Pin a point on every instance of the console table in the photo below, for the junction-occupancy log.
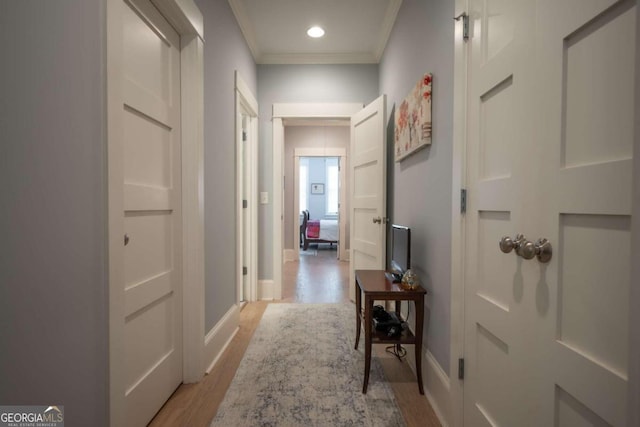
(375, 285)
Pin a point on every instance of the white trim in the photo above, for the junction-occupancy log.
(192, 84)
(457, 219)
(318, 58)
(246, 103)
(316, 110)
(437, 388)
(219, 337)
(265, 290)
(185, 16)
(387, 25)
(278, 205)
(302, 111)
(239, 11)
(436, 385)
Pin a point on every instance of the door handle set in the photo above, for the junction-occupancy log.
(526, 249)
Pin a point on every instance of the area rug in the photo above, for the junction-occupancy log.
(301, 370)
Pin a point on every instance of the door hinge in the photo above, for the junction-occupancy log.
(245, 204)
(463, 200)
(244, 135)
(244, 271)
(461, 369)
(465, 25)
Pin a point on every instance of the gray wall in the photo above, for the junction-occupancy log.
(308, 137)
(317, 175)
(300, 83)
(634, 320)
(420, 187)
(224, 51)
(53, 280)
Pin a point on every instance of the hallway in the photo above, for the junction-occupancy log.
(318, 277)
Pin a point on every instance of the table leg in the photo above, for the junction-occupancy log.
(358, 313)
(419, 323)
(368, 308)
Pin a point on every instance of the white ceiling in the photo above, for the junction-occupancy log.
(356, 30)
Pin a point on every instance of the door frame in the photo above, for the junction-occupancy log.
(459, 145)
(245, 102)
(282, 111)
(341, 153)
(187, 20)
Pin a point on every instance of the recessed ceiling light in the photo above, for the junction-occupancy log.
(315, 32)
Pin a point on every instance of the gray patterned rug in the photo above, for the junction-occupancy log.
(301, 370)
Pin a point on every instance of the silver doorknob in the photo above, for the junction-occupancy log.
(377, 220)
(540, 249)
(544, 252)
(507, 244)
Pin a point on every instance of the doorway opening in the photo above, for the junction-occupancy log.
(314, 214)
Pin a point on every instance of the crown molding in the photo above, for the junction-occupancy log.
(317, 58)
(239, 11)
(387, 26)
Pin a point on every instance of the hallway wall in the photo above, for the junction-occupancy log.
(420, 187)
(300, 83)
(225, 51)
(53, 271)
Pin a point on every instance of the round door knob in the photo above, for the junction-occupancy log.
(544, 252)
(507, 244)
(527, 250)
(377, 220)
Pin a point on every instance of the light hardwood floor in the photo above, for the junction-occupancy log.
(317, 278)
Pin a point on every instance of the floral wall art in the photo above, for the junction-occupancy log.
(413, 120)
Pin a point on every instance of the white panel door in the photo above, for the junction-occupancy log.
(152, 217)
(551, 114)
(499, 141)
(586, 60)
(368, 189)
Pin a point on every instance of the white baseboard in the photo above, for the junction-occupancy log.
(265, 290)
(290, 255)
(436, 385)
(345, 255)
(218, 338)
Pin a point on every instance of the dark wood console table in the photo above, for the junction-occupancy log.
(375, 285)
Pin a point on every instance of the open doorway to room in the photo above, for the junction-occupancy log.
(315, 224)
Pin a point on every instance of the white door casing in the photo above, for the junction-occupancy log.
(368, 170)
(134, 112)
(246, 113)
(550, 131)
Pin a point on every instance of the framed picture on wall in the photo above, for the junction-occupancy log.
(413, 120)
(317, 188)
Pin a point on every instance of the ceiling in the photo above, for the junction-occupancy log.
(356, 30)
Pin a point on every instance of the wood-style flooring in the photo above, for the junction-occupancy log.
(317, 278)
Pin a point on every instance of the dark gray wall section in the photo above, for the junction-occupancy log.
(421, 185)
(634, 320)
(53, 280)
(300, 83)
(224, 52)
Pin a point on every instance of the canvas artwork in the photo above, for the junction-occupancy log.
(413, 120)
